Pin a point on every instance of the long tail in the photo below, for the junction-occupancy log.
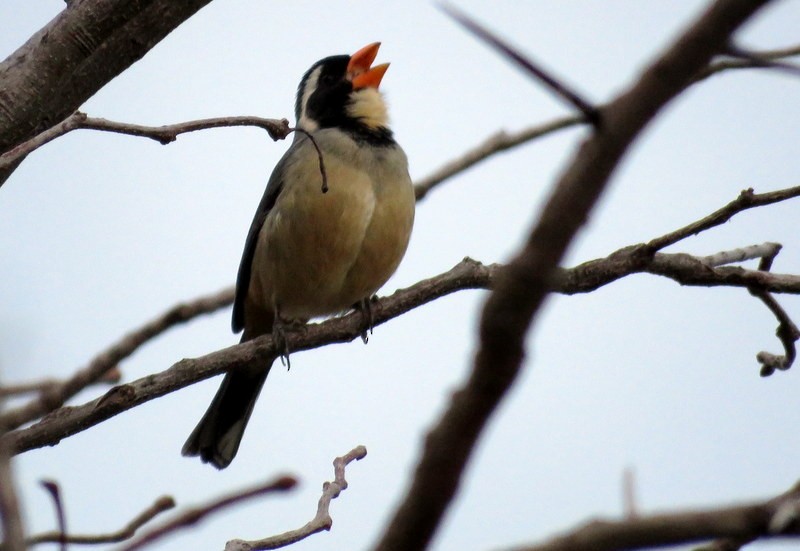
(217, 436)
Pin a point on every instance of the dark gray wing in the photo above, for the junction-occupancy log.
(274, 187)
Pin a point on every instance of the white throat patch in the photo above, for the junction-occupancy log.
(305, 122)
(368, 106)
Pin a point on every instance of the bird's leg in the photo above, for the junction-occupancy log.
(365, 307)
(279, 338)
(279, 328)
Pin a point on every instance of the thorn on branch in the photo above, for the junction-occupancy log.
(590, 112)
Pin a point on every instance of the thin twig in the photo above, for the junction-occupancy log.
(45, 386)
(322, 170)
(193, 515)
(55, 493)
(723, 65)
(321, 521)
(762, 251)
(786, 332)
(277, 129)
(495, 143)
(590, 113)
(759, 60)
(53, 397)
(747, 199)
(164, 503)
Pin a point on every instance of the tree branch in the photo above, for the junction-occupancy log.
(747, 199)
(83, 48)
(55, 396)
(164, 503)
(321, 521)
(193, 515)
(495, 143)
(468, 274)
(277, 129)
(522, 286)
(766, 519)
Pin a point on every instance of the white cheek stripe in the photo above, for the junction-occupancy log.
(304, 122)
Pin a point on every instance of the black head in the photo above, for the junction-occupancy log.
(342, 92)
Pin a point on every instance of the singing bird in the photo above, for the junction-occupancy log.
(311, 253)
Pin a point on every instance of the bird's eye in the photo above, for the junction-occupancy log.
(328, 79)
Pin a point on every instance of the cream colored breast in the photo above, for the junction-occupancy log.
(318, 253)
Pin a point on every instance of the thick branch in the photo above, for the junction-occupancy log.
(72, 57)
(522, 287)
(766, 519)
(67, 421)
(469, 274)
(321, 521)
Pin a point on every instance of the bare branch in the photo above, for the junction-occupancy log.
(759, 60)
(731, 64)
(787, 332)
(762, 251)
(523, 285)
(55, 493)
(589, 111)
(496, 143)
(164, 503)
(747, 199)
(55, 72)
(277, 129)
(10, 515)
(70, 420)
(321, 521)
(740, 523)
(54, 396)
(194, 515)
(469, 274)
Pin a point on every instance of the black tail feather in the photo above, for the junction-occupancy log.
(218, 434)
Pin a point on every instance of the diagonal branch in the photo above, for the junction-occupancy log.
(469, 274)
(501, 141)
(55, 395)
(321, 521)
(522, 286)
(763, 519)
(560, 89)
(164, 503)
(193, 515)
(747, 199)
(82, 49)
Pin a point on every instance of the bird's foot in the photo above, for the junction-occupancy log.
(365, 307)
(279, 328)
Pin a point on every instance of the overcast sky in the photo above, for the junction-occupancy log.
(99, 233)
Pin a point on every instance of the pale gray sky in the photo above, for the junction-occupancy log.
(99, 233)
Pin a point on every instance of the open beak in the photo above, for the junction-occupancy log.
(359, 69)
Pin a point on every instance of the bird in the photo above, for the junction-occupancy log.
(316, 247)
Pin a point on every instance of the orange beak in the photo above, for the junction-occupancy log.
(359, 69)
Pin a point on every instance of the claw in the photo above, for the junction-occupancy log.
(365, 307)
